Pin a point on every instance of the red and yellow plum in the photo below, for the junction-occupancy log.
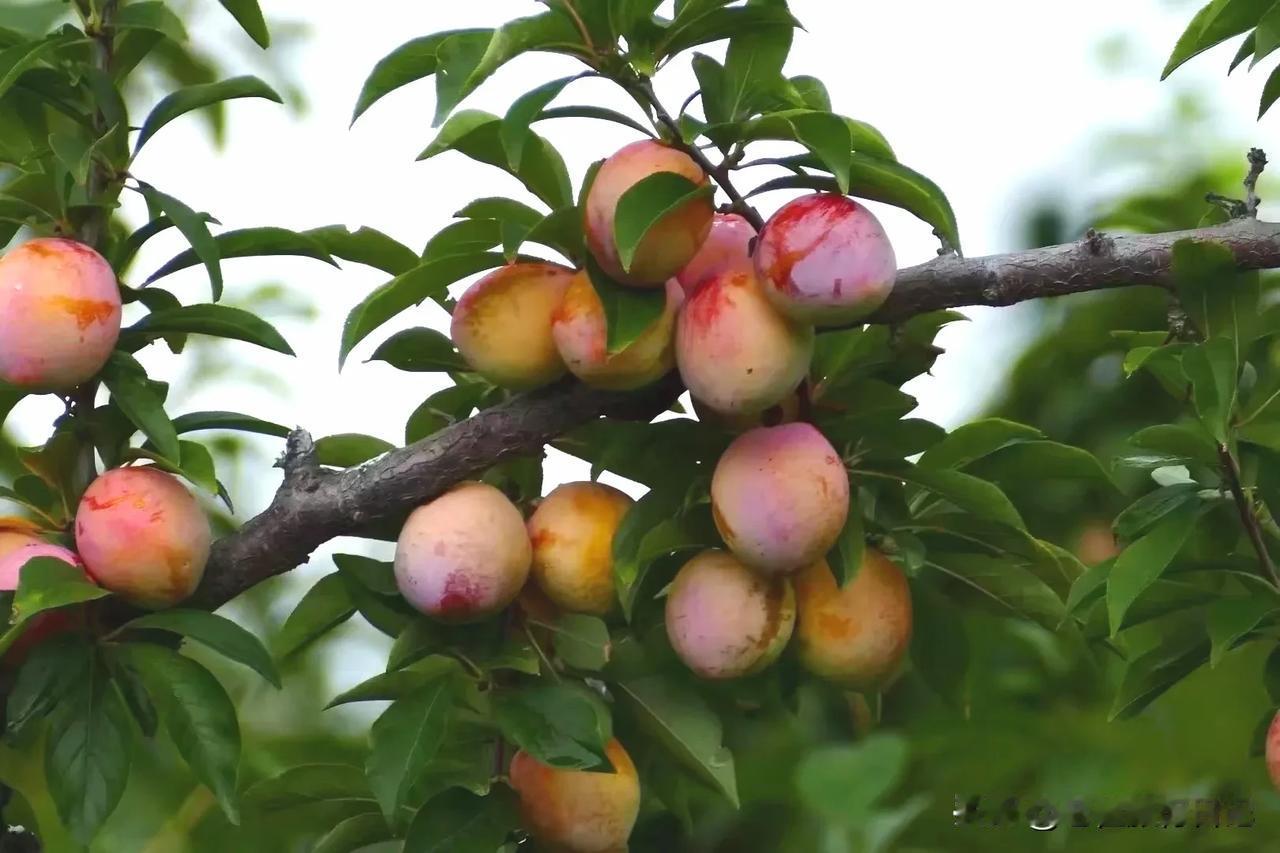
(825, 259)
(502, 324)
(59, 314)
(463, 556)
(672, 241)
(580, 334)
(856, 636)
(736, 354)
(780, 497)
(578, 811)
(727, 247)
(726, 621)
(572, 535)
(143, 536)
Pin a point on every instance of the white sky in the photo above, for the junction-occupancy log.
(993, 99)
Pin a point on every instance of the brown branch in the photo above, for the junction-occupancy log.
(315, 505)
(1248, 515)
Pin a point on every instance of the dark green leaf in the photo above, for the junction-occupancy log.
(348, 450)
(399, 683)
(1230, 619)
(193, 227)
(939, 645)
(521, 115)
(1140, 564)
(197, 421)
(46, 680)
(1177, 439)
(404, 740)
(628, 311)
(844, 783)
(47, 583)
(582, 642)
(17, 59)
(308, 784)
(442, 409)
(151, 15)
(217, 632)
(646, 204)
(753, 65)
(355, 833)
(1006, 582)
(420, 350)
(1049, 459)
(1270, 676)
(1212, 25)
(366, 246)
(718, 24)
(845, 558)
(982, 498)
(324, 607)
(249, 16)
(1147, 677)
(221, 321)
(199, 716)
(1147, 511)
(202, 95)
(375, 575)
(600, 113)
(560, 725)
(252, 243)
(413, 60)
(142, 405)
(458, 821)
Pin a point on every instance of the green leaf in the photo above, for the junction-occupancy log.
(1212, 25)
(249, 16)
(153, 15)
(753, 66)
(521, 115)
(646, 204)
(654, 508)
(1221, 301)
(399, 683)
(47, 583)
(966, 492)
(87, 753)
(1007, 583)
(404, 740)
(52, 672)
(843, 783)
(939, 644)
(628, 311)
(252, 243)
(193, 227)
(561, 725)
(220, 321)
(1231, 619)
(404, 291)
(458, 821)
(1144, 513)
(355, 833)
(1049, 459)
(197, 421)
(308, 784)
(420, 350)
(845, 558)
(1145, 560)
(17, 59)
(199, 716)
(201, 95)
(375, 575)
(686, 728)
(1183, 440)
(467, 237)
(828, 137)
(142, 405)
(366, 246)
(599, 113)
(582, 642)
(217, 632)
(1270, 677)
(1147, 677)
(1270, 92)
(1211, 369)
(350, 449)
(442, 409)
(717, 24)
(477, 134)
(413, 60)
(324, 607)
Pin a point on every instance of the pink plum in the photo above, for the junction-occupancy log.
(736, 354)
(724, 620)
(672, 241)
(727, 247)
(463, 556)
(59, 314)
(825, 259)
(143, 536)
(780, 497)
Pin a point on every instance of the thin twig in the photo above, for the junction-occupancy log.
(1257, 163)
(1231, 471)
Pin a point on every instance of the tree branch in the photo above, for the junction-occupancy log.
(315, 505)
(1248, 514)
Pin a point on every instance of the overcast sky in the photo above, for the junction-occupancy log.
(993, 99)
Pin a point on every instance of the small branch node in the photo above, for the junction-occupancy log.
(300, 463)
(1097, 242)
(1257, 163)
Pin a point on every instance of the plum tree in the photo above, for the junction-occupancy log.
(725, 621)
(578, 811)
(581, 336)
(572, 534)
(673, 241)
(502, 324)
(143, 536)
(736, 354)
(825, 259)
(857, 635)
(59, 314)
(464, 555)
(780, 497)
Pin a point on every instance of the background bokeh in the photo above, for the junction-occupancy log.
(1037, 119)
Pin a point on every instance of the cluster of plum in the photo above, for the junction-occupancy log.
(738, 324)
(138, 532)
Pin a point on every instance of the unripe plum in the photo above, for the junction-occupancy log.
(727, 247)
(502, 324)
(572, 535)
(59, 314)
(463, 556)
(825, 259)
(1273, 751)
(856, 636)
(580, 333)
(724, 620)
(143, 536)
(736, 354)
(578, 811)
(43, 625)
(780, 497)
(672, 241)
